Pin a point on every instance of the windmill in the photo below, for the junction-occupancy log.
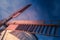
(34, 27)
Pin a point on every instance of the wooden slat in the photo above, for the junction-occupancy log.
(46, 30)
(36, 27)
(29, 28)
(39, 29)
(55, 29)
(50, 30)
(43, 29)
(32, 28)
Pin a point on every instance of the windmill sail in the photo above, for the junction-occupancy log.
(3, 22)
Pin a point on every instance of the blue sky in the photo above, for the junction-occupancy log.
(40, 9)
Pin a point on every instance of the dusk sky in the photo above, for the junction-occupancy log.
(40, 10)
